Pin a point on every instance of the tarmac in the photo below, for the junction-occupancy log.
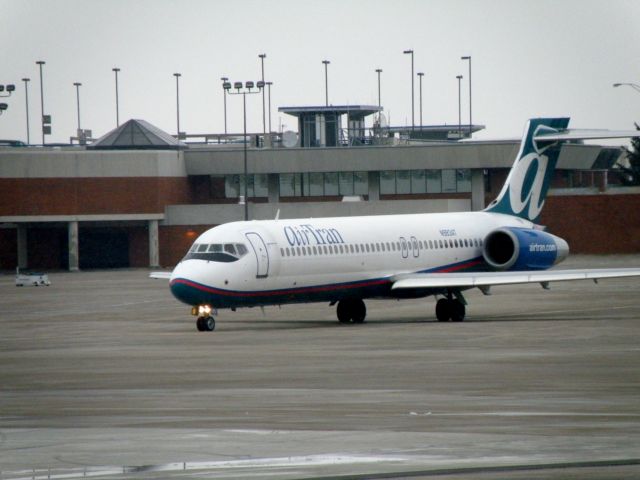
(103, 375)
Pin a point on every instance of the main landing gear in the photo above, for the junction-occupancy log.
(351, 310)
(450, 309)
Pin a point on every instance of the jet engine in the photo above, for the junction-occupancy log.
(513, 248)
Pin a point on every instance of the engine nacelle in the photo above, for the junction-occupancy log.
(513, 248)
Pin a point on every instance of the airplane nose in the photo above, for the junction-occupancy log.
(183, 288)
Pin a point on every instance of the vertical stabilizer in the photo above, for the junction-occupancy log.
(525, 190)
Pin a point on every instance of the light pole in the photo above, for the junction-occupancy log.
(459, 77)
(413, 122)
(40, 63)
(248, 90)
(224, 96)
(468, 57)
(635, 86)
(420, 75)
(178, 75)
(326, 82)
(268, 84)
(78, 85)
(379, 71)
(116, 70)
(26, 101)
(264, 123)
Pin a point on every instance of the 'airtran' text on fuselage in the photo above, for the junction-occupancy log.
(309, 235)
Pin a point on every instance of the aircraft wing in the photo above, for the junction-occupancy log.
(160, 275)
(487, 279)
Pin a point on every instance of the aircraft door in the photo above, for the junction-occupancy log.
(262, 255)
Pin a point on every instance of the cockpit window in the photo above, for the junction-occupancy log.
(217, 252)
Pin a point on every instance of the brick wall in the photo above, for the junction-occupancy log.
(77, 196)
(595, 223)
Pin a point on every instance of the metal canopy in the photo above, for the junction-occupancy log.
(354, 111)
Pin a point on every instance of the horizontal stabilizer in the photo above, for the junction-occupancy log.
(160, 275)
(582, 134)
(485, 279)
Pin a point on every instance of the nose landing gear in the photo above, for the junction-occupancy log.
(206, 324)
(205, 321)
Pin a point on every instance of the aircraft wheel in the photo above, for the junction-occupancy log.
(209, 324)
(358, 311)
(443, 310)
(457, 311)
(200, 324)
(344, 311)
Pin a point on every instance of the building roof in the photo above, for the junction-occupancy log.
(137, 135)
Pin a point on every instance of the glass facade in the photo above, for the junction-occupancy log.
(257, 186)
(333, 184)
(402, 182)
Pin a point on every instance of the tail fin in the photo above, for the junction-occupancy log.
(525, 190)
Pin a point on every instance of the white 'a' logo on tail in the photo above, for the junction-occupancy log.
(516, 185)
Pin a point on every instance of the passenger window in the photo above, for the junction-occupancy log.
(382, 246)
(351, 248)
(366, 245)
(282, 252)
(299, 252)
(315, 251)
(377, 247)
(288, 251)
(388, 247)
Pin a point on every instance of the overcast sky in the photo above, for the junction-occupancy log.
(530, 58)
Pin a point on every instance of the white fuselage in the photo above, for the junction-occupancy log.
(303, 260)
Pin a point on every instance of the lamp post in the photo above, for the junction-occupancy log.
(26, 101)
(413, 122)
(40, 63)
(224, 97)
(244, 90)
(635, 86)
(420, 75)
(178, 75)
(459, 77)
(326, 82)
(262, 56)
(78, 85)
(116, 70)
(379, 71)
(468, 57)
(268, 84)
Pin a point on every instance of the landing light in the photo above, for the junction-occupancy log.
(204, 310)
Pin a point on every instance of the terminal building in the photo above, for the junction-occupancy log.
(138, 197)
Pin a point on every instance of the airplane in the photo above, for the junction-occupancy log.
(345, 260)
